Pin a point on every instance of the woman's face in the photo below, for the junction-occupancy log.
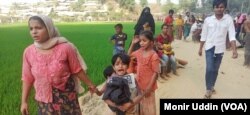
(144, 42)
(165, 29)
(38, 31)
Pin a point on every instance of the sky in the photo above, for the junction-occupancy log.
(32, 1)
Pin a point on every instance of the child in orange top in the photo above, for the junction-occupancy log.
(147, 70)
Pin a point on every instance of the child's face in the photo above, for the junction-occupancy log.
(119, 67)
(118, 30)
(145, 43)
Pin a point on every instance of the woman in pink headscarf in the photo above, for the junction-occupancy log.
(53, 66)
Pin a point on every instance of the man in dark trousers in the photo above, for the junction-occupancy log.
(213, 35)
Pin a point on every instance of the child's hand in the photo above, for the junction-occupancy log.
(135, 40)
(125, 106)
(147, 91)
(92, 89)
(98, 92)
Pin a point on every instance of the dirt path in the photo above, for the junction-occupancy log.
(233, 80)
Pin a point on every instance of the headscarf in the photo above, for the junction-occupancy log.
(55, 39)
(145, 16)
(218, 2)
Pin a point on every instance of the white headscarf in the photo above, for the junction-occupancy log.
(55, 39)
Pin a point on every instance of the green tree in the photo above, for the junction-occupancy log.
(127, 4)
(185, 4)
(55, 3)
(169, 5)
(77, 6)
(52, 13)
(143, 3)
(102, 1)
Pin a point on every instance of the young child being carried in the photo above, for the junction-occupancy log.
(120, 90)
(168, 55)
(118, 39)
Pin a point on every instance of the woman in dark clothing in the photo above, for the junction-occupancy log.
(145, 17)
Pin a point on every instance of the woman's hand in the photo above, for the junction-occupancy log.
(93, 89)
(24, 109)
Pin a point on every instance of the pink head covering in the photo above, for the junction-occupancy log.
(52, 30)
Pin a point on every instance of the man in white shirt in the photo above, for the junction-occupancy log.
(213, 35)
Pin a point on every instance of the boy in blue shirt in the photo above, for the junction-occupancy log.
(118, 39)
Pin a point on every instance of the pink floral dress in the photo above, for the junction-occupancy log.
(51, 75)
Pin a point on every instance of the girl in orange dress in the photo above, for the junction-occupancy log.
(147, 70)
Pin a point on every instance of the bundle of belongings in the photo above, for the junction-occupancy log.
(118, 92)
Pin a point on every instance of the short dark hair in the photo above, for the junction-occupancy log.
(171, 11)
(124, 57)
(218, 2)
(118, 25)
(108, 71)
(148, 34)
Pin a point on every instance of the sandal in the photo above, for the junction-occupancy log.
(213, 91)
(208, 95)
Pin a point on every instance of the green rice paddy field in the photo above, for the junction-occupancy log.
(92, 40)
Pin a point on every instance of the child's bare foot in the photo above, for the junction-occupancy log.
(175, 73)
(165, 76)
(161, 78)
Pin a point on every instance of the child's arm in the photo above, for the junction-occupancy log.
(112, 39)
(134, 41)
(155, 66)
(110, 103)
(132, 103)
(151, 83)
(99, 93)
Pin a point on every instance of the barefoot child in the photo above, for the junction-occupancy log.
(147, 70)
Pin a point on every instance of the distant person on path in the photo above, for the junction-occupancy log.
(187, 25)
(53, 66)
(169, 21)
(147, 70)
(145, 17)
(179, 27)
(213, 35)
(246, 27)
(118, 39)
